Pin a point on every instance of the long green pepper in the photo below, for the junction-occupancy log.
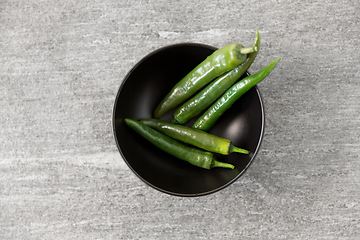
(219, 62)
(208, 119)
(214, 90)
(194, 156)
(200, 139)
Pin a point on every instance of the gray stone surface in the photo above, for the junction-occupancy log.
(61, 176)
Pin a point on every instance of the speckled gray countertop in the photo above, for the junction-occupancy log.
(62, 177)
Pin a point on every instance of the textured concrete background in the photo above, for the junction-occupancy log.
(61, 176)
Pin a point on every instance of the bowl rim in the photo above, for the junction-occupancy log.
(129, 165)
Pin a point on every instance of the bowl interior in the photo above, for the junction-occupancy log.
(144, 87)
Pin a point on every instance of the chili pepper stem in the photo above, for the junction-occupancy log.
(221, 164)
(248, 50)
(237, 150)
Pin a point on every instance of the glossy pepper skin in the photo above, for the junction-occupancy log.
(200, 139)
(208, 119)
(194, 156)
(202, 100)
(220, 61)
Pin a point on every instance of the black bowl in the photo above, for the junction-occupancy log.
(140, 92)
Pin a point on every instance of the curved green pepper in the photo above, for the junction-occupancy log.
(214, 90)
(200, 139)
(194, 156)
(220, 61)
(208, 119)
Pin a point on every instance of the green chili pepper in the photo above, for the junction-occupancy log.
(200, 139)
(220, 61)
(208, 119)
(214, 90)
(194, 156)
